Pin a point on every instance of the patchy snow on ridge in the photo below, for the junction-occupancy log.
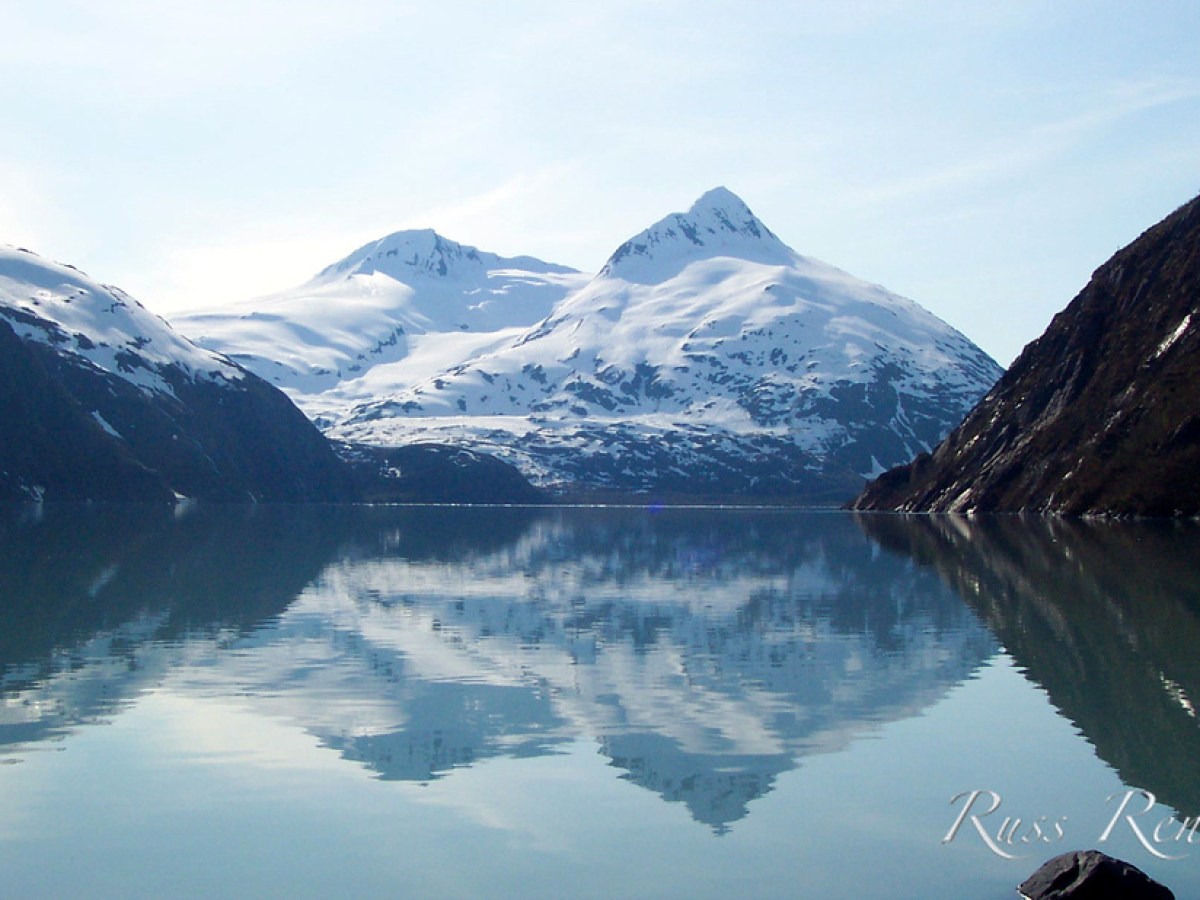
(380, 308)
(98, 324)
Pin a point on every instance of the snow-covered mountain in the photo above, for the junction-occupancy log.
(103, 400)
(705, 357)
(392, 313)
(99, 326)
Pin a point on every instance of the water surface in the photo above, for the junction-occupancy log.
(312, 701)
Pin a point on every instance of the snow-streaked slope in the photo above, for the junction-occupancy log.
(706, 333)
(102, 400)
(391, 313)
(98, 325)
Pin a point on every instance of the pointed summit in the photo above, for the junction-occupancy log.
(718, 224)
(404, 254)
(729, 210)
(423, 253)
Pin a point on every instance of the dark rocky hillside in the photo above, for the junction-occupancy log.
(1100, 415)
(73, 432)
(205, 441)
(210, 441)
(434, 473)
(38, 414)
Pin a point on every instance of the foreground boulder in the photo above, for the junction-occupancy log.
(1091, 875)
(1100, 415)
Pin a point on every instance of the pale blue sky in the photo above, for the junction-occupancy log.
(981, 158)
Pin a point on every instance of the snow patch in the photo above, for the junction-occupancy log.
(100, 420)
(1174, 336)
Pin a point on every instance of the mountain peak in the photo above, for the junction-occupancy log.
(403, 254)
(423, 253)
(723, 202)
(719, 223)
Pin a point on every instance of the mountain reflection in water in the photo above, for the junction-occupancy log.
(1104, 615)
(705, 652)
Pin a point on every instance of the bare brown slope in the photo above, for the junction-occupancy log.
(1100, 415)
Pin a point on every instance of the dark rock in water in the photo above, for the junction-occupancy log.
(1091, 875)
(434, 473)
(1100, 415)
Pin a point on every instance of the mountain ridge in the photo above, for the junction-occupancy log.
(424, 251)
(399, 308)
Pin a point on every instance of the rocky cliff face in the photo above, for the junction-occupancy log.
(1100, 415)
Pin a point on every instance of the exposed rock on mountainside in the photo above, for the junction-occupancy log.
(101, 400)
(1100, 415)
(706, 357)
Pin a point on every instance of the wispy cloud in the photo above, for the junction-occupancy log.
(1020, 151)
(507, 217)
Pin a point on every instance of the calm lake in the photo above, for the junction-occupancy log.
(548, 703)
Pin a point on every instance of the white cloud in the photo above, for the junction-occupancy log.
(186, 271)
(521, 215)
(1022, 150)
